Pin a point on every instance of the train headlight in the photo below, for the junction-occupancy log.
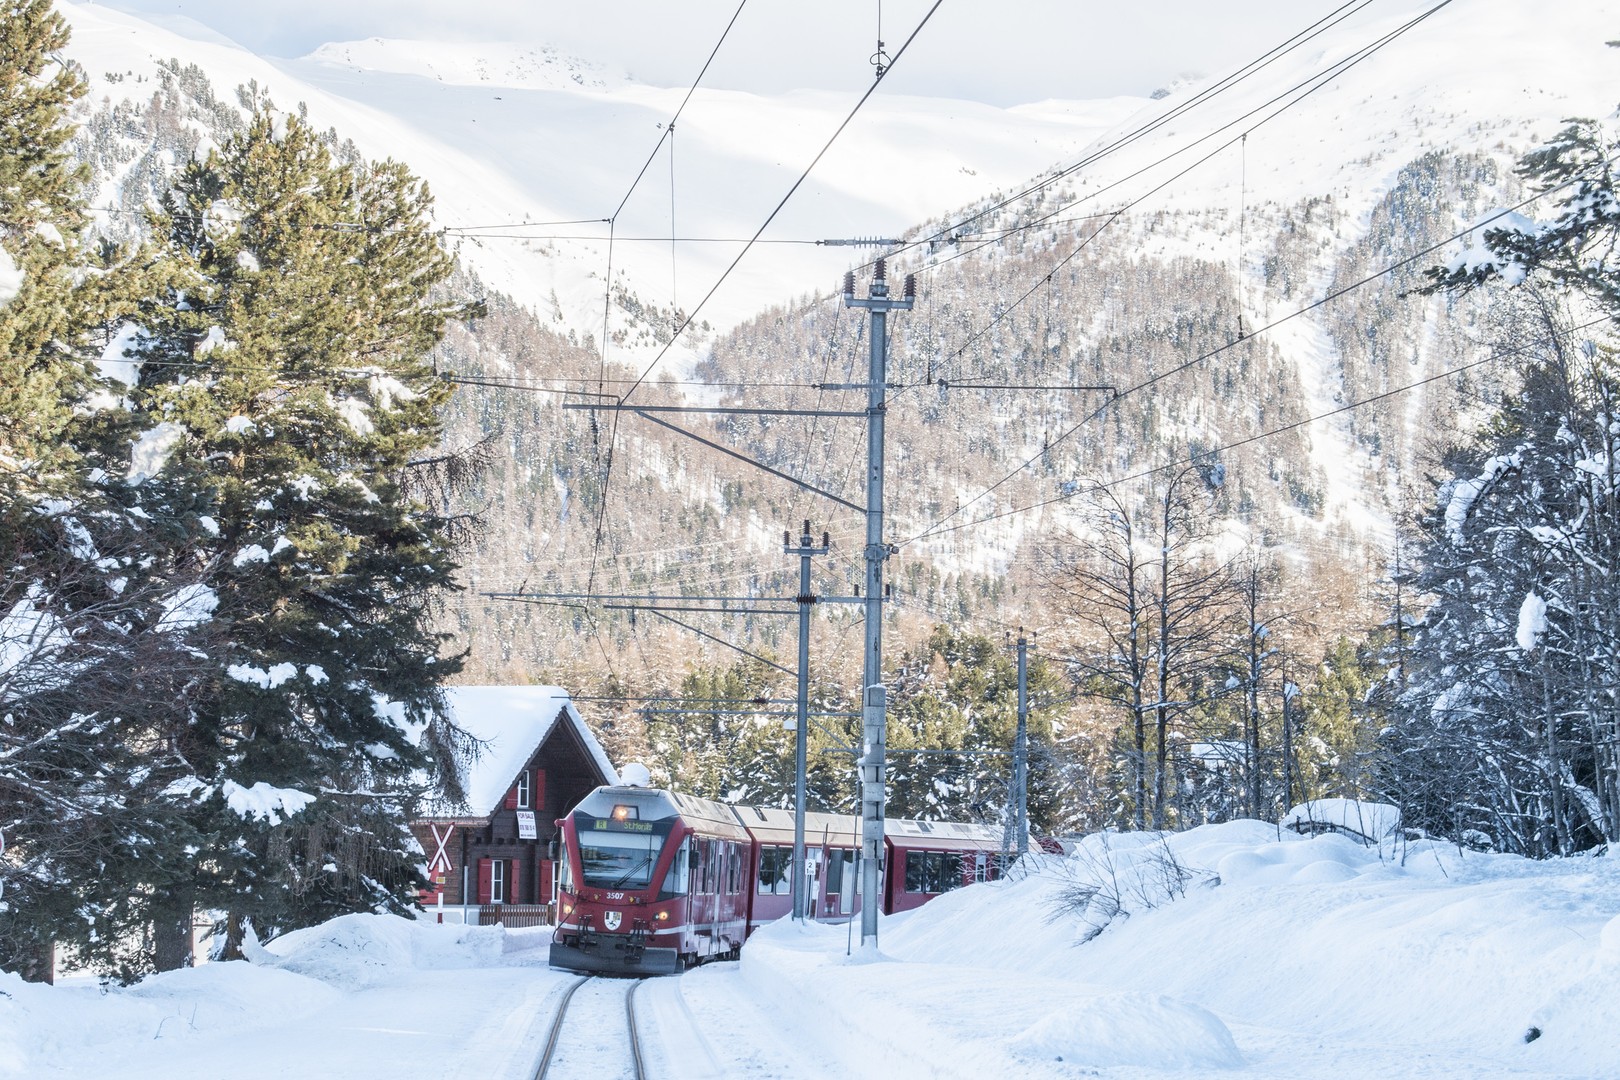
(567, 909)
(663, 916)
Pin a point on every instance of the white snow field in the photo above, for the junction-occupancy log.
(1244, 953)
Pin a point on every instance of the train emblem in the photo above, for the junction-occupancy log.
(612, 919)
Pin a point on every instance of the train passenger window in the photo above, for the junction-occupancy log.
(675, 881)
(736, 870)
(775, 870)
(932, 871)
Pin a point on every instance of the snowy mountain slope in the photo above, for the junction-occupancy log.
(1399, 147)
(1331, 190)
(1480, 77)
(494, 64)
(507, 135)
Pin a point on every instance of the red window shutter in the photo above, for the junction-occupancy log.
(546, 870)
(512, 798)
(486, 873)
(539, 789)
(514, 878)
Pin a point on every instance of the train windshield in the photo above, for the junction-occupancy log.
(619, 855)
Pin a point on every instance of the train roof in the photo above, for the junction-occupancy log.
(773, 825)
(656, 804)
(952, 835)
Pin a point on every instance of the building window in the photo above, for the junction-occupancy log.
(525, 791)
(497, 882)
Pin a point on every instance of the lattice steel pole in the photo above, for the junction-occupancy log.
(1021, 747)
(801, 745)
(874, 700)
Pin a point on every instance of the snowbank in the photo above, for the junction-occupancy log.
(359, 951)
(1373, 821)
(1229, 949)
(945, 1019)
(1451, 953)
(180, 1017)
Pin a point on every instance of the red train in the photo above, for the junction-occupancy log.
(651, 881)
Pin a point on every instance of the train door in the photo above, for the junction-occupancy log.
(841, 881)
(703, 895)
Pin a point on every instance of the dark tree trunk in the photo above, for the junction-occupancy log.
(172, 945)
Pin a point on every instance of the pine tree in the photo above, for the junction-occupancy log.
(287, 362)
(97, 642)
(959, 692)
(1518, 662)
(42, 325)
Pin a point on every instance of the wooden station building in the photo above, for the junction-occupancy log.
(490, 859)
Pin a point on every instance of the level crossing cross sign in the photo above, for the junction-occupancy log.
(441, 858)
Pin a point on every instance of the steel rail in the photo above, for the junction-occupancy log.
(637, 1057)
(635, 1034)
(556, 1029)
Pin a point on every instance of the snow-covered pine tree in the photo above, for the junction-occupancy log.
(288, 360)
(1508, 711)
(1517, 665)
(95, 639)
(40, 215)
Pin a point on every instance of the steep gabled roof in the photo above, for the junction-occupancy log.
(512, 722)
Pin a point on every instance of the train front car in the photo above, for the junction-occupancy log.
(621, 902)
(650, 882)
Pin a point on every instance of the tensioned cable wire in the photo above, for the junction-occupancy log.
(1305, 88)
(634, 239)
(613, 430)
(674, 280)
(607, 295)
(1203, 455)
(1200, 358)
(1310, 86)
(805, 175)
(831, 350)
(1328, 75)
(1321, 26)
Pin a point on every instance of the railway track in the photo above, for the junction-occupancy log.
(579, 1049)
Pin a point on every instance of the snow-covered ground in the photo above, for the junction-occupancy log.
(1237, 952)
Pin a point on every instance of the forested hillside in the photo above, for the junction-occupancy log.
(1169, 355)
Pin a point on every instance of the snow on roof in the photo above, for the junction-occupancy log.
(513, 721)
(1373, 820)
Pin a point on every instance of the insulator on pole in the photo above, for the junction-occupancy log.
(911, 287)
(849, 283)
(880, 270)
(787, 538)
